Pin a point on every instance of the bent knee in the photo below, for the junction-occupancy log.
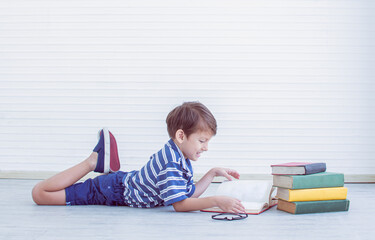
(43, 197)
(37, 194)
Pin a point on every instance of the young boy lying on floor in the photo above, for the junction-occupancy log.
(166, 179)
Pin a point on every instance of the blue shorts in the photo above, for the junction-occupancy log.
(102, 190)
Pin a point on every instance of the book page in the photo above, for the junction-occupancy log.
(254, 206)
(254, 193)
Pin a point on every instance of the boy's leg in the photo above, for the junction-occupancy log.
(52, 190)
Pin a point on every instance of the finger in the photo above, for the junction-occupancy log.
(234, 173)
(238, 210)
(240, 206)
(238, 201)
(228, 176)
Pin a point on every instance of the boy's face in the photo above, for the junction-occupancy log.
(193, 146)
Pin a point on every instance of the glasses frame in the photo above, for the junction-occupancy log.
(226, 216)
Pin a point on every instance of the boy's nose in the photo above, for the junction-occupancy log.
(205, 147)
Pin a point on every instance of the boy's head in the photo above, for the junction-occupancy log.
(191, 127)
(191, 117)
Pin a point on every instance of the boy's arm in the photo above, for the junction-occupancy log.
(205, 181)
(227, 204)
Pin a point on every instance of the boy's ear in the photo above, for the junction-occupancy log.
(180, 135)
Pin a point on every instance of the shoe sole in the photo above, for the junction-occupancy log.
(107, 150)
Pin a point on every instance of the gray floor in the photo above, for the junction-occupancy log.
(22, 219)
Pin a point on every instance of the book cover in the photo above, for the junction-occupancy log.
(256, 196)
(316, 180)
(298, 168)
(312, 194)
(313, 206)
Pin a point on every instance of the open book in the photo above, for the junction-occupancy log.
(256, 196)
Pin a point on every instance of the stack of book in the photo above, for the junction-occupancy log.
(308, 188)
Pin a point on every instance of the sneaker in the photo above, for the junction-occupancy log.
(108, 160)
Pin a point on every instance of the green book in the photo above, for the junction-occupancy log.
(313, 206)
(317, 180)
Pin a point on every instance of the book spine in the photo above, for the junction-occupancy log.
(321, 206)
(318, 181)
(315, 168)
(318, 194)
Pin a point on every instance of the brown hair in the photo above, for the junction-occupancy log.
(190, 117)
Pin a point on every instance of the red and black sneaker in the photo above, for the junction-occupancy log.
(108, 160)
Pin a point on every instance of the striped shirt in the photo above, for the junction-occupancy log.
(165, 179)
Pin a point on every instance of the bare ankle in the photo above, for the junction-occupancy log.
(92, 160)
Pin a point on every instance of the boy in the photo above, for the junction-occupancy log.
(166, 179)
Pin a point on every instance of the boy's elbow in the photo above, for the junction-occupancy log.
(176, 209)
(179, 206)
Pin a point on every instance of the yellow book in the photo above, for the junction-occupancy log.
(312, 194)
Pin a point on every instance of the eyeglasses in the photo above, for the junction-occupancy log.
(229, 216)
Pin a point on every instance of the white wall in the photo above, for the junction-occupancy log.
(287, 80)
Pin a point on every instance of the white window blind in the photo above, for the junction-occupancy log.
(287, 81)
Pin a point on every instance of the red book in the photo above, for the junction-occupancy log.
(298, 168)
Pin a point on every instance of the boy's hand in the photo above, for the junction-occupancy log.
(226, 172)
(230, 205)
(205, 181)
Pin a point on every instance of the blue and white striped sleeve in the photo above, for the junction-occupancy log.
(172, 184)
